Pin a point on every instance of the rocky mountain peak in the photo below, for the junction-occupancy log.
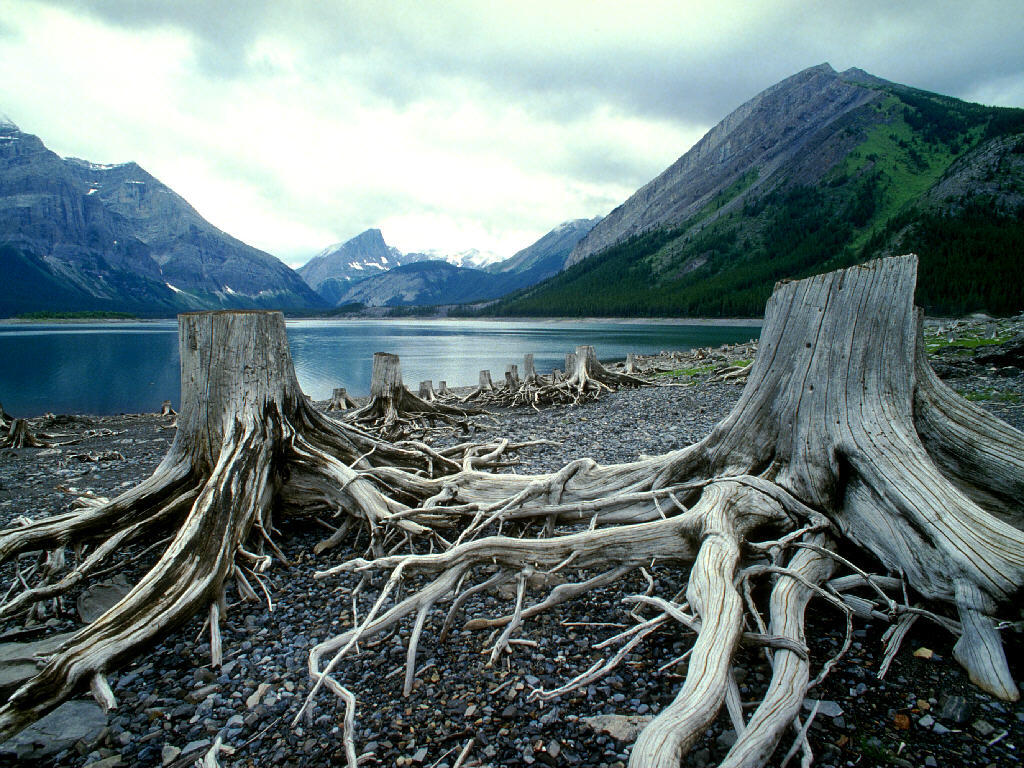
(759, 137)
(7, 125)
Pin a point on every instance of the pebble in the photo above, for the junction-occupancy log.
(265, 652)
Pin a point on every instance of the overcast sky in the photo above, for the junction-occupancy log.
(448, 125)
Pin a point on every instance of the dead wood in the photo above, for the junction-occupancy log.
(395, 413)
(340, 401)
(841, 432)
(20, 436)
(248, 446)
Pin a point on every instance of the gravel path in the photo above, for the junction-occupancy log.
(172, 705)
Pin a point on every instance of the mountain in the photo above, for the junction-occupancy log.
(76, 235)
(365, 270)
(332, 271)
(822, 170)
(424, 283)
(471, 257)
(547, 256)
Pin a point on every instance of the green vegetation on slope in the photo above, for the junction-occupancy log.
(869, 203)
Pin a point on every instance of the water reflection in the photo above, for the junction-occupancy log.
(132, 367)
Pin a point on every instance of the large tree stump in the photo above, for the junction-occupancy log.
(842, 432)
(248, 445)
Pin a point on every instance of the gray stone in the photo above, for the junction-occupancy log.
(825, 707)
(927, 721)
(99, 598)
(169, 754)
(957, 709)
(70, 723)
(621, 727)
(983, 728)
(17, 660)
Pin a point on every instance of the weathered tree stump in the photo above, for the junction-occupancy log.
(20, 436)
(340, 401)
(426, 393)
(484, 388)
(394, 412)
(248, 445)
(842, 432)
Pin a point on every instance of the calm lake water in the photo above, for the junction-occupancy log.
(105, 368)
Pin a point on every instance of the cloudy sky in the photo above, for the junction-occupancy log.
(448, 125)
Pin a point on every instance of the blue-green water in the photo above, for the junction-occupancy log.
(105, 368)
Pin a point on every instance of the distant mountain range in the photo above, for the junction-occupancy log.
(366, 270)
(822, 170)
(76, 235)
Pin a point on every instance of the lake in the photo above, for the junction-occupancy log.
(128, 367)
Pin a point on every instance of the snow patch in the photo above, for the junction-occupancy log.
(92, 191)
(174, 288)
(229, 289)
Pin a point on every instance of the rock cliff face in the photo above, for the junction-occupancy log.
(79, 235)
(546, 257)
(333, 269)
(768, 132)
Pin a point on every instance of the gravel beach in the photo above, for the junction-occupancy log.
(173, 705)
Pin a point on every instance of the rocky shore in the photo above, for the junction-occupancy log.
(173, 707)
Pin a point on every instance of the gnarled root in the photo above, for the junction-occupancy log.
(842, 432)
(248, 443)
(394, 413)
(20, 436)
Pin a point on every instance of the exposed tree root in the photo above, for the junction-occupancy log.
(842, 432)
(340, 401)
(393, 412)
(20, 436)
(248, 446)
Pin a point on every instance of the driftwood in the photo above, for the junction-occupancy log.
(248, 446)
(393, 412)
(5, 418)
(166, 409)
(842, 432)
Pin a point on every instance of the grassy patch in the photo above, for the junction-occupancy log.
(970, 340)
(990, 395)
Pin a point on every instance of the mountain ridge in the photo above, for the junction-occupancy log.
(87, 236)
(820, 171)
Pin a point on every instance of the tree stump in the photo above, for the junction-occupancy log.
(842, 432)
(394, 412)
(340, 401)
(248, 445)
(483, 389)
(426, 393)
(20, 436)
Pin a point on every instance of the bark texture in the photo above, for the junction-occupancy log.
(248, 444)
(842, 432)
(393, 412)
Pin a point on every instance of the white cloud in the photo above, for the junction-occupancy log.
(447, 125)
